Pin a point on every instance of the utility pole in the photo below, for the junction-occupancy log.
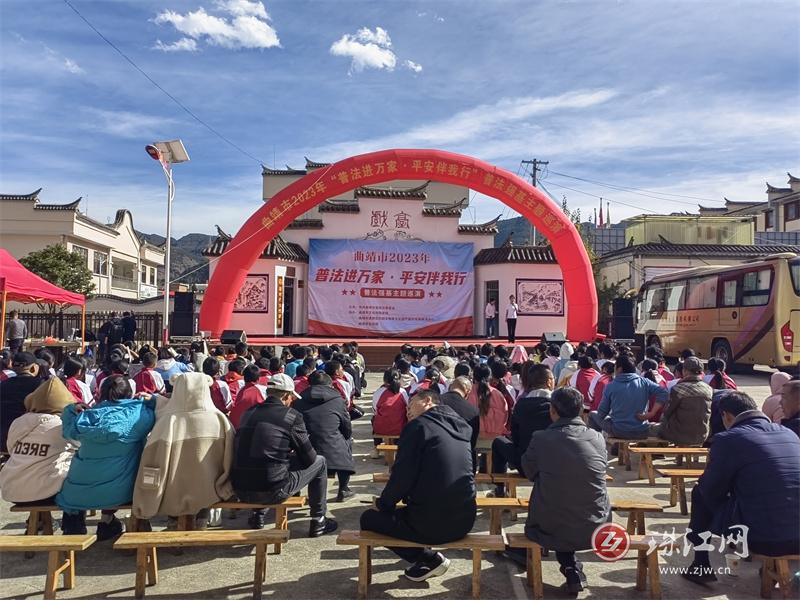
(534, 171)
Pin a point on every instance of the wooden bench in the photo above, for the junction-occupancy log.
(692, 454)
(635, 509)
(60, 559)
(646, 564)
(146, 543)
(775, 569)
(494, 506)
(677, 485)
(43, 514)
(624, 444)
(389, 452)
(367, 540)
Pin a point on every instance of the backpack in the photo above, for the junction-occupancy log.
(116, 332)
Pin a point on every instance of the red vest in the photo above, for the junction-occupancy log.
(598, 390)
(583, 381)
(247, 397)
(233, 379)
(74, 389)
(301, 384)
(144, 381)
(390, 414)
(264, 376)
(217, 398)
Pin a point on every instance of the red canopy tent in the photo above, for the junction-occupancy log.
(19, 284)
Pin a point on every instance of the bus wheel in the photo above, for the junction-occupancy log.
(722, 349)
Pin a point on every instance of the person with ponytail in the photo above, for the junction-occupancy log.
(433, 380)
(74, 369)
(491, 406)
(717, 378)
(389, 404)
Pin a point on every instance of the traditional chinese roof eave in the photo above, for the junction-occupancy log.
(287, 171)
(277, 248)
(339, 207)
(310, 164)
(32, 196)
(305, 224)
(482, 228)
(417, 193)
(515, 254)
(773, 189)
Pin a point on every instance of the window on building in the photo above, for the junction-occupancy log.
(755, 287)
(82, 252)
(768, 220)
(791, 211)
(100, 263)
(729, 289)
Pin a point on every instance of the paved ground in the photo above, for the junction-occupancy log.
(319, 569)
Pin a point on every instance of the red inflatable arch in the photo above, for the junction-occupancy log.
(386, 165)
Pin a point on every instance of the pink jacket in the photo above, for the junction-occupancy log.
(772, 405)
(494, 423)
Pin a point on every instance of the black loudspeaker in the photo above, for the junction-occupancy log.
(182, 324)
(622, 328)
(231, 337)
(622, 307)
(553, 337)
(183, 302)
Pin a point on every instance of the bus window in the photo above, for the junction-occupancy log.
(755, 287)
(729, 288)
(656, 301)
(675, 295)
(702, 293)
(794, 269)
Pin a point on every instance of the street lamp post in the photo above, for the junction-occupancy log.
(168, 154)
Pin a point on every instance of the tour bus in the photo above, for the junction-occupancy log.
(746, 314)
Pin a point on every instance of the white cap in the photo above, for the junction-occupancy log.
(282, 383)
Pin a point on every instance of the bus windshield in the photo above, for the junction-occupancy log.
(794, 269)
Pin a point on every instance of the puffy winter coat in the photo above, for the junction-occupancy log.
(772, 405)
(112, 436)
(186, 461)
(433, 475)
(328, 424)
(39, 456)
(752, 479)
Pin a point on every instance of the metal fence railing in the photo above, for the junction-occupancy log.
(60, 324)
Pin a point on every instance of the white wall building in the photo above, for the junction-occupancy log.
(122, 264)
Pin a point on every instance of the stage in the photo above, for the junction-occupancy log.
(380, 352)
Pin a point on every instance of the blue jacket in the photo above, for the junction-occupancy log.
(112, 437)
(291, 368)
(753, 479)
(624, 397)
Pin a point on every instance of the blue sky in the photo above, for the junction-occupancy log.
(688, 98)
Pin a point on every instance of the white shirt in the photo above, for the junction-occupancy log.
(511, 311)
(490, 311)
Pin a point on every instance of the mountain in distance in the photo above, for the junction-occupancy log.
(185, 255)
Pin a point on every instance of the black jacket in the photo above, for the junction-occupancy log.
(469, 413)
(12, 402)
(531, 413)
(433, 475)
(328, 422)
(268, 433)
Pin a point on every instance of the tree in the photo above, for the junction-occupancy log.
(60, 267)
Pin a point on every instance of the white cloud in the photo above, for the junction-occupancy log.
(184, 44)
(243, 8)
(126, 124)
(410, 64)
(67, 64)
(73, 67)
(367, 49)
(247, 27)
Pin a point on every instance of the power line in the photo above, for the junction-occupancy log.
(604, 198)
(165, 92)
(634, 189)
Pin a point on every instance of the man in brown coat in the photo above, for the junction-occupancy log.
(685, 420)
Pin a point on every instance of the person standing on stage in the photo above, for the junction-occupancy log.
(511, 318)
(16, 332)
(490, 313)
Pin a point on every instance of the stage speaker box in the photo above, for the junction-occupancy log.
(181, 324)
(183, 302)
(553, 337)
(622, 325)
(231, 337)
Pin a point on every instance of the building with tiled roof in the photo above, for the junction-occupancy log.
(123, 265)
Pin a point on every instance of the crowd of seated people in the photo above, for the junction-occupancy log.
(172, 431)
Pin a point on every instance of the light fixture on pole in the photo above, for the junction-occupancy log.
(168, 154)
